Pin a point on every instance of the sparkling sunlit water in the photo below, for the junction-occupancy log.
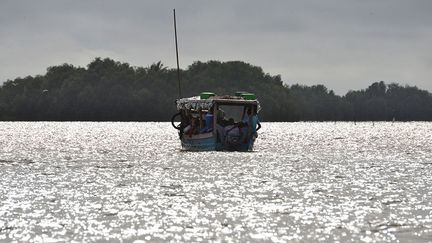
(127, 181)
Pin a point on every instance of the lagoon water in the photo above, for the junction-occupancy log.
(305, 182)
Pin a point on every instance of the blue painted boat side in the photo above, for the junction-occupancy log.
(201, 144)
(211, 144)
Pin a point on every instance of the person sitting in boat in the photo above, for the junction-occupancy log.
(222, 128)
(255, 123)
(232, 134)
(192, 128)
(227, 127)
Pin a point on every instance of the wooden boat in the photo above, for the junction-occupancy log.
(212, 123)
(209, 122)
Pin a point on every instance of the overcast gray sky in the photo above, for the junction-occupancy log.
(343, 44)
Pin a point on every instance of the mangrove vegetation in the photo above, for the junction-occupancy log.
(107, 90)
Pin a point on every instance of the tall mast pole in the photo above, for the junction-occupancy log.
(178, 66)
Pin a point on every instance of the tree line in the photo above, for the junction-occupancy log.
(107, 90)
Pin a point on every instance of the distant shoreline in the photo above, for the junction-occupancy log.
(107, 90)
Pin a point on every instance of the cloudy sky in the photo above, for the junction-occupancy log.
(343, 44)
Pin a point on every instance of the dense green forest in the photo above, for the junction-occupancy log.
(112, 91)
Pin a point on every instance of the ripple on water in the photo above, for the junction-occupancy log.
(89, 181)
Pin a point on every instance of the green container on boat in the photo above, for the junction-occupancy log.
(239, 93)
(248, 96)
(206, 95)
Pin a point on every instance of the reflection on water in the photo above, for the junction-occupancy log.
(304, 182)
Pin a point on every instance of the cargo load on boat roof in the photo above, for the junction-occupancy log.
(206, 100)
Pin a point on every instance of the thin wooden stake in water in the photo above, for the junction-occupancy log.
(178, 66)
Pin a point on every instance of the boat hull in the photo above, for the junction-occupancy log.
(193, 143)
(209, 142)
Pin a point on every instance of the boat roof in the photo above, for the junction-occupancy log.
(197, 103)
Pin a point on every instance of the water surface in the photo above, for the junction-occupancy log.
(307, 182)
